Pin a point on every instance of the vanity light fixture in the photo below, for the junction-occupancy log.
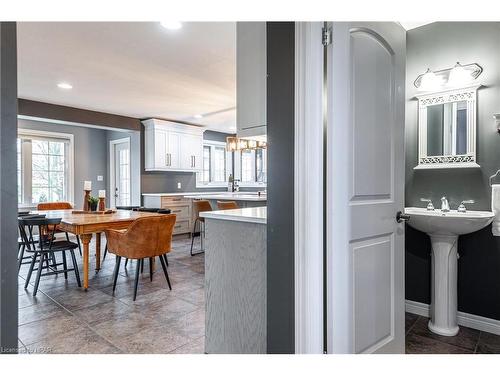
(457, 76)
(64, 85)
(171, 25)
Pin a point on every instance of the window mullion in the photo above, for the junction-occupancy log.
(26, 150)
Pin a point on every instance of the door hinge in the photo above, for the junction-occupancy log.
(326, 36)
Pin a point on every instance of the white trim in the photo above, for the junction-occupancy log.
(308, 187)
(71, 155)
(111, 193)
(464, 319)
(71, 123)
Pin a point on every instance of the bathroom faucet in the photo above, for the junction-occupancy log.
(445, 206)
(430, 206)
(462, 207)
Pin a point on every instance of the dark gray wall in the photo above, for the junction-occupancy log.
(135, 162)
(8, 188)
(441, 45)
(90, 154)
(166, 182)
(280, 202)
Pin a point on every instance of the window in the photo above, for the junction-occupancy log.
(217, 165)
(250, 166)
(43, 167)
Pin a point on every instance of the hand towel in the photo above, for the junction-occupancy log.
(495, 207)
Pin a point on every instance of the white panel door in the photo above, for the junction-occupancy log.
(365, 188)
(173, 152)
(121, 182)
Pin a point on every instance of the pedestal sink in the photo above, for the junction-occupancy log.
(444, 229)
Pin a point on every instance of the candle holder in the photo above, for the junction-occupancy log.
(102, 204)
(86, 197)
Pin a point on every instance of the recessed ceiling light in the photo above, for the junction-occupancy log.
(198, 116)
(171, 25)
(64, 85)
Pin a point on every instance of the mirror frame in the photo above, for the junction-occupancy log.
(468, 160)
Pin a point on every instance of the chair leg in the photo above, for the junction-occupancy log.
(44, 256)
(115, 273)
(20, 257)
(165, 271)
(79, 246)
(142, 266)
(105, 252)
(126, 262)
(65, 265)
(166, 259)
(75, 267)
(136, 282)
(192, 237)
(30, 271)
(151, 269)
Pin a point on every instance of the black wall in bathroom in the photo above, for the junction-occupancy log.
(437, 46)
(280, 211)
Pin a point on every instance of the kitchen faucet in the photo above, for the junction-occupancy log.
(445, 206)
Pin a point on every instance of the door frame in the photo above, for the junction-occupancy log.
(309, 188)
(112, 144)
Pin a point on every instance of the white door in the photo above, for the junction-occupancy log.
(190, 151)
(365, 188)
(173, 150)
(120, 176)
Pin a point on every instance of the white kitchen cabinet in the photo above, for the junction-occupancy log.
(170, 146)
(251, 79)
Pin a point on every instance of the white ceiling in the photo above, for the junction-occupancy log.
(412, 24)
(137, 69)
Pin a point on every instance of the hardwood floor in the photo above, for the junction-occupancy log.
(63, 318)
(419, 340)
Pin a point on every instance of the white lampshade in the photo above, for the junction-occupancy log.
(429, 81)
(459, 76)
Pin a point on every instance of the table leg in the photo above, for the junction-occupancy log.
(97, 252)
(86, 241)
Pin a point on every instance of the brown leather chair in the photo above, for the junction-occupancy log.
(46, 206)
(201, 205)
(227, 205)
(146, 237)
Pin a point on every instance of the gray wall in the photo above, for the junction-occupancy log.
(90, 154)
(166, 182)
(8, 188)
(441, 45)
(280, 202)
(135, 162)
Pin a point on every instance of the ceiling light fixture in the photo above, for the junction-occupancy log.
(198, 116)
(64, 85)
(238, 144)
(171, 25)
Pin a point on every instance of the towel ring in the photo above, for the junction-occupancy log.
(494, 176)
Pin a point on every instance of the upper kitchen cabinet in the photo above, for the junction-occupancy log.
(169, 146)
(251, 77)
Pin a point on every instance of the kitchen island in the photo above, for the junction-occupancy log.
(235, 280)
(243, 199)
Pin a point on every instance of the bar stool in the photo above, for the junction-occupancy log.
(199, 206)
(227, 205)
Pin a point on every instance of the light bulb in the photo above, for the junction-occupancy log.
(429, 81)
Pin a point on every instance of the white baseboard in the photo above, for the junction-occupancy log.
(464, 319)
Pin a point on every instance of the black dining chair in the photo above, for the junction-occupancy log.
(45, 248)
(21, 243)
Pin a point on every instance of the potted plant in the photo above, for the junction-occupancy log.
(93, 201)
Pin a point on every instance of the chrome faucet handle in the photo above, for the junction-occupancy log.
(462, 207)
(445, 206)
(430, 206)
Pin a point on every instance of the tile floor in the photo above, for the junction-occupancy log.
(63, 318)
(419, 340)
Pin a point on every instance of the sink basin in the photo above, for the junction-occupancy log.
(448, 223)
(444, 229)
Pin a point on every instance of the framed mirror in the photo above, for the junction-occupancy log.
(447, 129)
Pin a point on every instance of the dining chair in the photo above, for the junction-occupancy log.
(22, 243)
(201, 205)
(227, 205)
(146, 237)
(46, 247)
(46, 206)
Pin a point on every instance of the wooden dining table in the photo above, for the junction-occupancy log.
(85, 225)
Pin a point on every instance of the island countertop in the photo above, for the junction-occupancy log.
(231, 196)
(256, 215)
